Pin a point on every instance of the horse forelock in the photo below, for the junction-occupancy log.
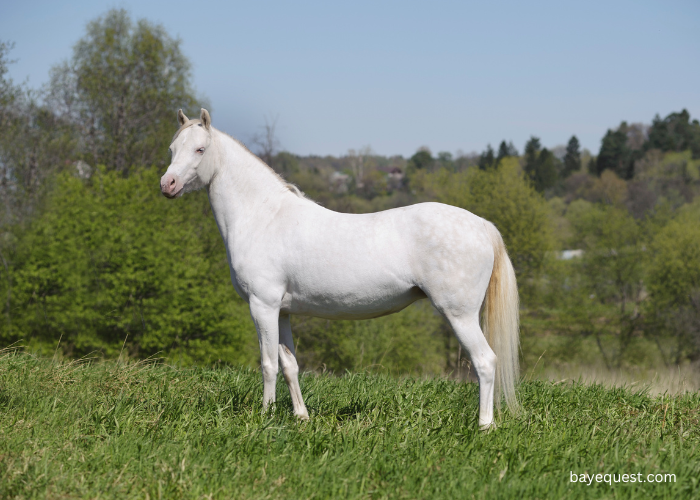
(187, 124)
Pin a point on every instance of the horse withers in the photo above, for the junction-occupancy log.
(288, 255)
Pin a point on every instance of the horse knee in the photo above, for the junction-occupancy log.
(269, 371)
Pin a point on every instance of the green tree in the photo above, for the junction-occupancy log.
(110, 262)
(505, 150)
(445, 160)
(605, 287)
(674, 284)
(572, 159)
(615, 155)
(487, 159)
(618, 152)
(547, 172)
(422, 160)
(675, 133)
(540, 165)
(120, 90)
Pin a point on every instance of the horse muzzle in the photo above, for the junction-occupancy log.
(170, 185)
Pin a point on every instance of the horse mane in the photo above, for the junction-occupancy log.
(288, 185)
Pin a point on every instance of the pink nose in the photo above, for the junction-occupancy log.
(169, 185)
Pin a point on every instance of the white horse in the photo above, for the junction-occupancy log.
(289, 255)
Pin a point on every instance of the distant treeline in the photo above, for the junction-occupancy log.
(94, 260)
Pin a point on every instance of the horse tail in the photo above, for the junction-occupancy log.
(500, 321)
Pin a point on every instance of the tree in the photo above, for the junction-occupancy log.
(34, 144)
(540, 165)
(120, 91)
(267, 142)
(445, 160)
(607, 281)
(614, 154)
(422, 160)
(674, 283)
(547, 172)
(572, 159)
(505, 150)
(592, 166)
(487, 159)
(675, 133)
(111, 263)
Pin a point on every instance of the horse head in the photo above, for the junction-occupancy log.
(189, 168)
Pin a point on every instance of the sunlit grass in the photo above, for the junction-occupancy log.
(114, 429)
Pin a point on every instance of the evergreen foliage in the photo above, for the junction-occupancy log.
(487, 159)
(505, 150)
(540, 165)
(615, 155)
(572, 159)
(675, 133)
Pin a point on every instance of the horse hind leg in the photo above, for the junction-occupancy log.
(470, 336)
(290, 368)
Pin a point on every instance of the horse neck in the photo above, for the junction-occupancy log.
(243, 191)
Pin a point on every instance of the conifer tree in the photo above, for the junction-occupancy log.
(572, 159)
(487, 158)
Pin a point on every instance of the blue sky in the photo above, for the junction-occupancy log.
(400, 75)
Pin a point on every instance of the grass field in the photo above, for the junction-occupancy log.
(111, 429)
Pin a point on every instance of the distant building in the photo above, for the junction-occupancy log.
(395, 177)
(570, 254)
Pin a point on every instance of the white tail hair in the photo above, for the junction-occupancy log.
(500, 321)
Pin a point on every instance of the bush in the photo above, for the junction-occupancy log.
(111, 264)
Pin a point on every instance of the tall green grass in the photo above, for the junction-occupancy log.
(137, 430)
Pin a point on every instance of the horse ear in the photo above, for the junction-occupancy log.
(181, 118)
(205, 118)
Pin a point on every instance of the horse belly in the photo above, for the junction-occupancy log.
(350, 297)
(350, 309)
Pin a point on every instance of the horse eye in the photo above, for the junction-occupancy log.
(200, 150)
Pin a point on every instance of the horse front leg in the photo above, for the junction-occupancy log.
(290, 368)
(266, 318)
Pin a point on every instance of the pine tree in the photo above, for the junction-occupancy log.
(572, 159)
(532, 152)
(487, 159)
(505, 150)
(615, 155)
